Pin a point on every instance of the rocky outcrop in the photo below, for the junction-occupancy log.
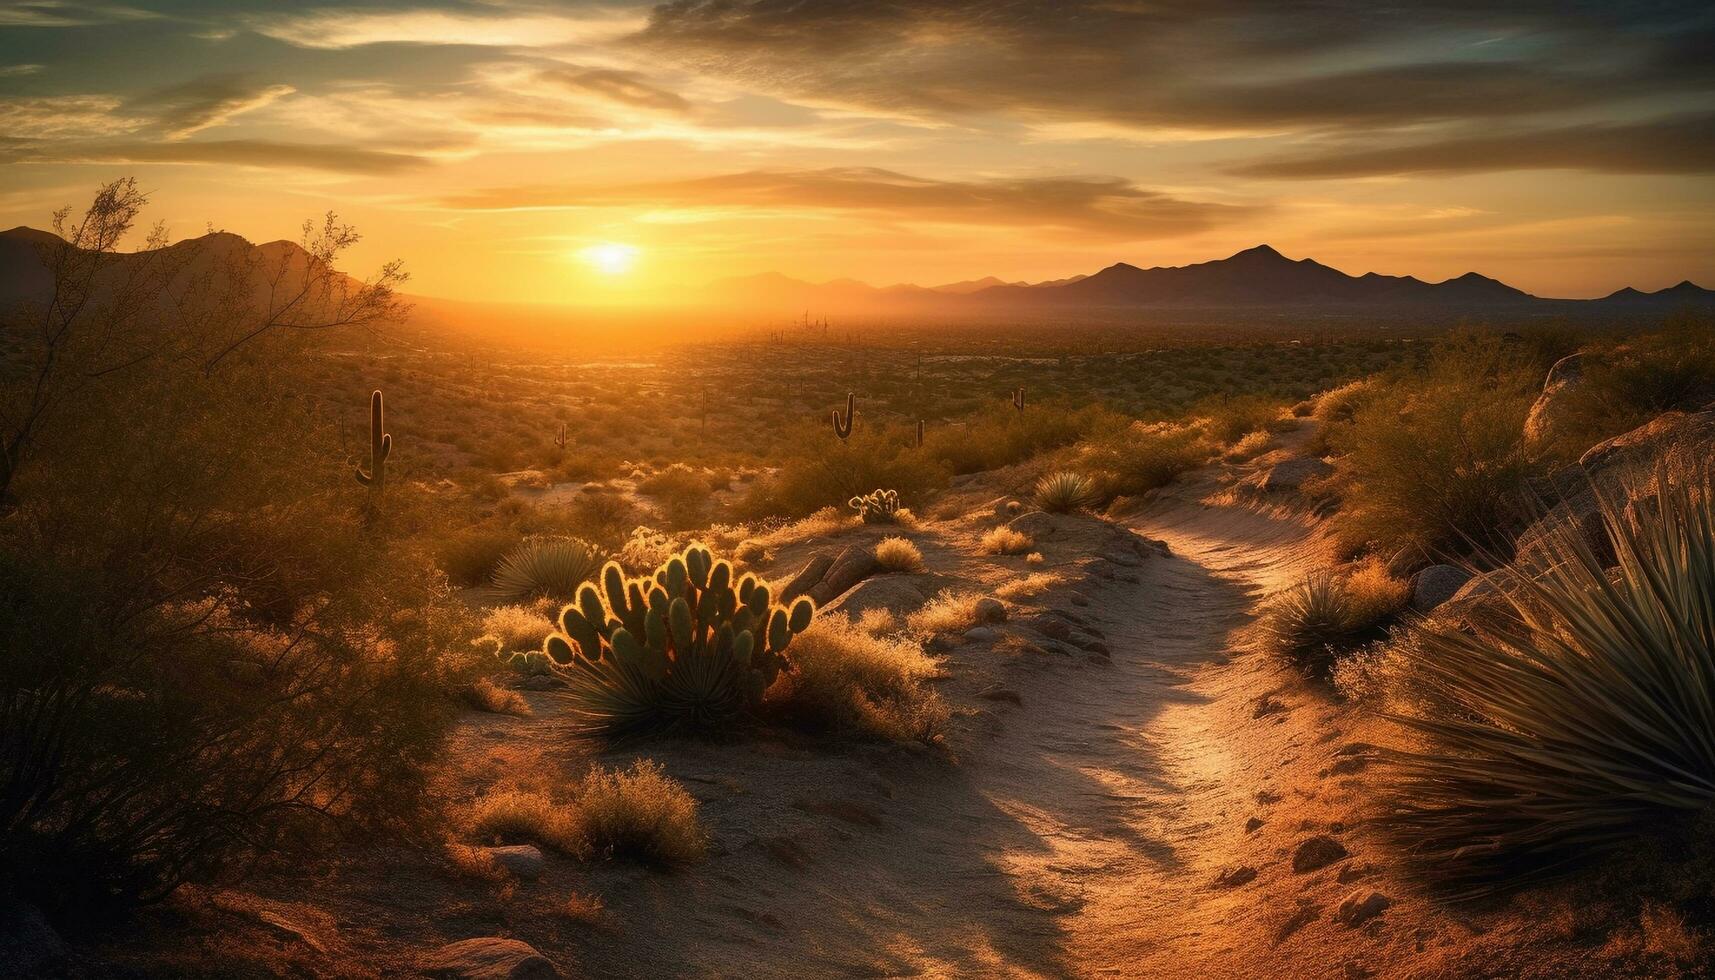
(1548, 412)
(1316, 853)
(898, 594)
(1671, 436)
(489, 958)
(1435, 585)
(856, 563)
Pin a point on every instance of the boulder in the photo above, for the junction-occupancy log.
(1435, 585)
(983, 634)
(1360, 907)
(1671, 434)
(853, 565)
(1038, 524)
(1549, 410)
(807, 578)
(990, 610)
(1293, 474)
(521, 860)
(1316, 853)
(28, 944)
(489, 958)
(898, 594)
(1234, 877)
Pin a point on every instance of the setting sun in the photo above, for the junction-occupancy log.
(610, 259)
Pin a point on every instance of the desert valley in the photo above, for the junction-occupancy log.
(507, 574)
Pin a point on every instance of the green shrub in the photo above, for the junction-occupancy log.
(1063, 492)
(1583, 717)
(545, 567)
(1437, 461)
(994, 439)
(641, 813)
(821, 471)
(686, 648)
(1625, 385)
(1136, 458)
(469, 557)
(1230, 418)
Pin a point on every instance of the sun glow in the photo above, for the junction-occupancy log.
(611, 259)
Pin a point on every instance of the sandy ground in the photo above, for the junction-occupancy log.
(1077, 833)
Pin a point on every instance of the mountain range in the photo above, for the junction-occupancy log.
(1257, 277)
(1254, 279)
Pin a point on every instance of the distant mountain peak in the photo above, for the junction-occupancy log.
(1264, 251)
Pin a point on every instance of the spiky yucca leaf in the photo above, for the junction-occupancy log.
(1064, 491)
(1584, 713)
(1309, 621)
(545, 566)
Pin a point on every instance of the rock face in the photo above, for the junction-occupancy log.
(489, 958)
(1317, 852)
(1688, 434)
(1549, 409)
(809, 576)
(1293, 474)
(1435, 585)
(898, 594)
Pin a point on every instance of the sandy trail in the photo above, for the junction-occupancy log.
(1078, 839)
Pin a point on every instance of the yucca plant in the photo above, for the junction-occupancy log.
(683, 649)
(1585, 713)
(1309, 623)
(545, 567)
(1064, 491)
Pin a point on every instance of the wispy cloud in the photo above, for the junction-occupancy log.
(1107, 206)
(206, 102)
(268, 154)
(499, 28)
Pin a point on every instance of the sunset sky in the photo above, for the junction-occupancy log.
(557, 152)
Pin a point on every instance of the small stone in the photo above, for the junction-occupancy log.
(982, 634)
(1253, 825)
(994, 692)
(1435, 585)
(489, 958)
(990, 610)
(1360, 907)
(1234, 877)
(521, 860)
(1317, 852)
(1054, 629)
(942, 642)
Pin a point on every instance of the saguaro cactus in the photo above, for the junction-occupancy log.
(1018, 398)
(843, 427)
(380, 447)
(919, 433)
(560, 439)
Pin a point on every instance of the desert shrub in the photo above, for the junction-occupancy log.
(1230, 418)
(1064, 492)
(603, 516)
(682, 493)
(1005, 541)
(1028, 587)
(470, 556)
(1248, 448)
(545, 567)
(1437, 461)
(898, 555)
(1582, 717)
(513, 815)
(1135, 458)
(993, 439)
(1627, 384)
(686, 648)
(485, 695)
(517, 627)
(1375, 597)
(848, 680)
(640, 813)
(818, 470)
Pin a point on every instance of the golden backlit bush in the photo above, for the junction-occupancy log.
(898, 554)
(1005, 541)
(1137, 457)
(640, 813)
(848, 680)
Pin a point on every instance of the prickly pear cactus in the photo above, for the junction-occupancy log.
(880, 507)
(686, 648)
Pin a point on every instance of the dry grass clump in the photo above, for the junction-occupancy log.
(898, 555)
(949, 612)
(474, 862)
(517, 627)
(1375, 596)
(877, 621)
(485, 695)
(470, 556)
(1028, 586)
(1064, 492)
(584, 907)
(850, 681)
(641, 813)
(522, 815)
(1249, 447)
(1005, 541)
(1230, 418)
